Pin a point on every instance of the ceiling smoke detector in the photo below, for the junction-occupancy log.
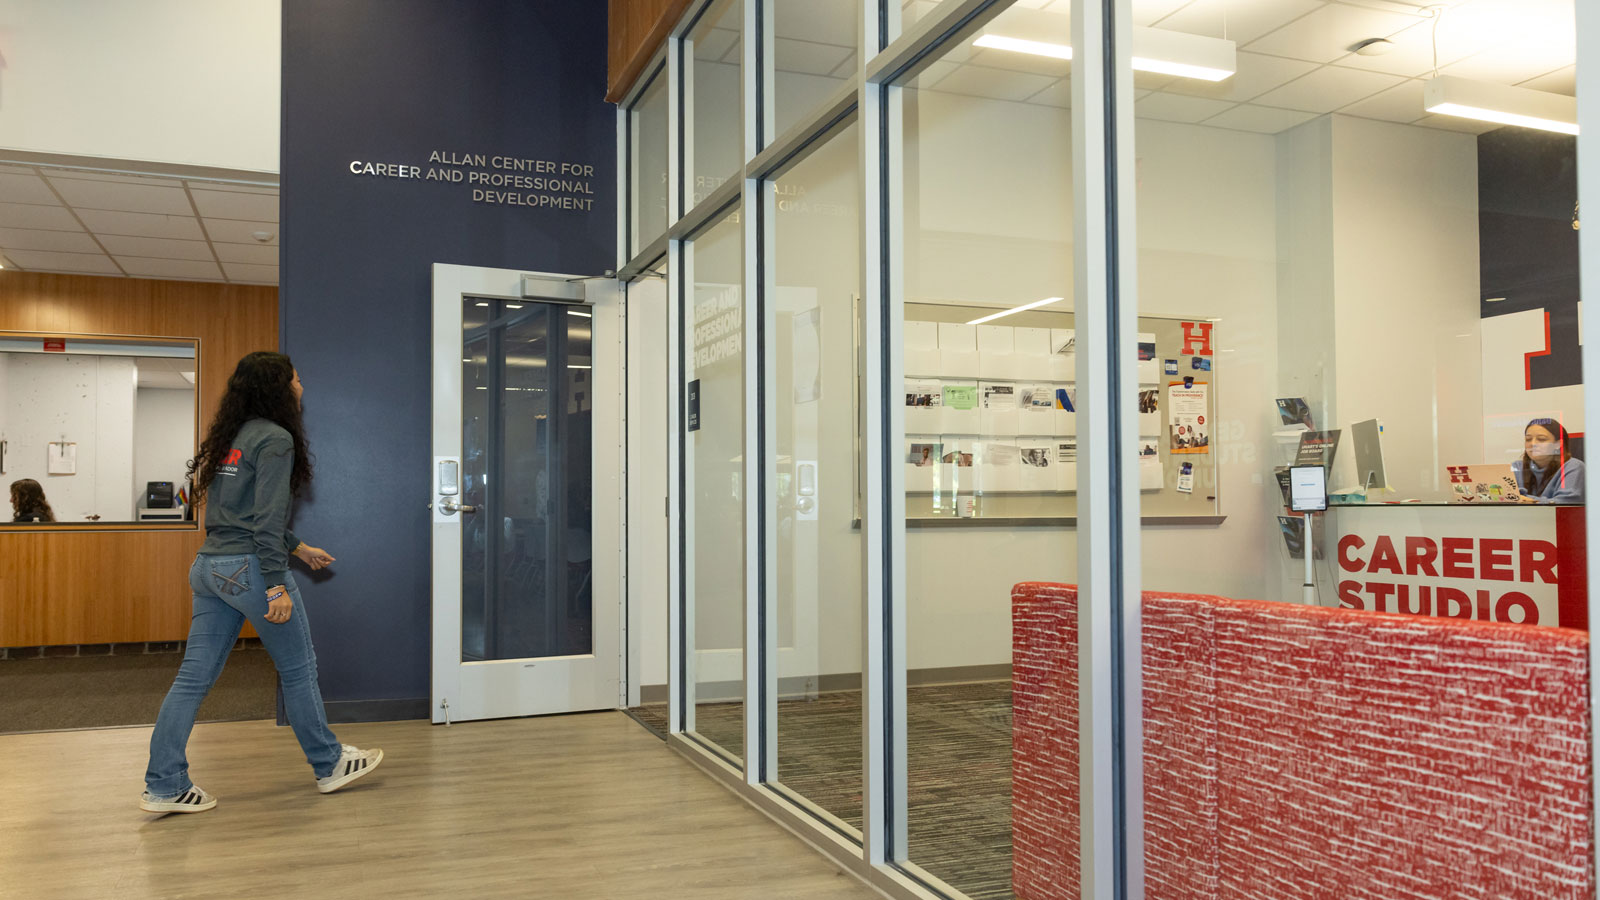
(262, 236)
(1372, 47)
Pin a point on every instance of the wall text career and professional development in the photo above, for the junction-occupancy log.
(498, 180)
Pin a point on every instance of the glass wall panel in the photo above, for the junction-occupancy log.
(1372, 297)
(711, 60)
(650, 402)
(815, 52)
(990, 434)
(815, 486)
(647, 165)
(713, 459)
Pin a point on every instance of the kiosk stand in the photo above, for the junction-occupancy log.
(1308, 495)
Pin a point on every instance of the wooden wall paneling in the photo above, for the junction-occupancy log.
(78, 587)
(638, 28)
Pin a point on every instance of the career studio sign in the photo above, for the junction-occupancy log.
(496, 180)
(1494, 565)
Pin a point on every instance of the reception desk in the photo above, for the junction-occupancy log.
(1493, 562)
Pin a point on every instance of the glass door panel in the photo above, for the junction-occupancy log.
(527, 404)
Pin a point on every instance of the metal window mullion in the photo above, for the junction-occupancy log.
(683, 306)
(1588, 30)
(1100, 473)
(882, 525)
(680, 127)
(758, 661)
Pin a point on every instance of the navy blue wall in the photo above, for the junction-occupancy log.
(392, 82)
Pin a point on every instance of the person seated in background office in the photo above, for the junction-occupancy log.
(1547, 471)
(28, 503)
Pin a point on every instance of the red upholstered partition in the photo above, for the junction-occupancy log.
(1302, 752)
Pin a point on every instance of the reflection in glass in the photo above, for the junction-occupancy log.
(819, 608)
(714, 495)
(712, 58)
(647, 165)
(988, 212)
(106, 430)
(814, 48)
(527, 402)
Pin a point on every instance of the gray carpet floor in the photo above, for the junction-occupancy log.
(102, 691)
(958, 777)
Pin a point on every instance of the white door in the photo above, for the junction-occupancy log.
(525, 494)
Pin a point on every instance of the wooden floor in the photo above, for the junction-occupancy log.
(587, 806)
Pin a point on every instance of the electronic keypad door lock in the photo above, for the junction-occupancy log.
(447, 483)
(449, 477)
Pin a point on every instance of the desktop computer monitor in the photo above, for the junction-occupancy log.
(158, 495)
(1368, 439)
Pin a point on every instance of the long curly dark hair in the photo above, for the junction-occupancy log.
(28, 503)
(258, 389)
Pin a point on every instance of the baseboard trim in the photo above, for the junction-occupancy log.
(849, 681)
(346, 712)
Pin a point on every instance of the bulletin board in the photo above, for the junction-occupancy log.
(991, 415)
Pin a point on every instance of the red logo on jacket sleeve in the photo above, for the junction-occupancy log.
(233, 457)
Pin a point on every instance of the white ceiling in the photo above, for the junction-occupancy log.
(165, 372)
(63, 219)
(1294, 61)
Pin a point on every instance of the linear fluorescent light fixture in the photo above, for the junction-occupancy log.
(1006, 312)
(1159, 50)
(1449, 95)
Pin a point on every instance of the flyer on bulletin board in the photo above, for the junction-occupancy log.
(1190, 426)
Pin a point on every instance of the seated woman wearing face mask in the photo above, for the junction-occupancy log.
(1547, 472)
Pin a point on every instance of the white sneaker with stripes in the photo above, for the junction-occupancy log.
(353, 763)
(191, 801)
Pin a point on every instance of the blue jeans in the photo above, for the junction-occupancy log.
(227, 591)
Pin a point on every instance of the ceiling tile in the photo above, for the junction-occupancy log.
(1246, 19)
(1327, 89)
(1262, 119)
(1257, 74)
(1561, 81)
(195, 185)
(37, 239)
(1457, 123)
(807, 58)
(105, 221)
(54, 172)
(220, 205)
(1149, 12)
(122, 196)
(1058, 95)
(26, 189)
(257, 254)
(240, 232)
(715, 44)
(996, 84)
(1401, 103)
(846, 68)
(27, 215)
(1326, 35)
(46, 261)
(820, 21)
(158, 248)
(170, 268)
(1174, 108)
(253, 274)
(1512, 63)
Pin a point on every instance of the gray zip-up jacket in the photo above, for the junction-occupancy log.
(247, 505)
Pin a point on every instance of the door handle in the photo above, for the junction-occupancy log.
(450, 507)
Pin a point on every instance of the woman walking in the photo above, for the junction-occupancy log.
(252, 464)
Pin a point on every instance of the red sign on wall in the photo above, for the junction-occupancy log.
(55, 346)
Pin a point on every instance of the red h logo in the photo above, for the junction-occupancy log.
(1196, 339)
(233, 457)
(1458, 475)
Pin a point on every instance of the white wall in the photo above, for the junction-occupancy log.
(85, 399)
(193, 82)
(163, 438)
(650, 398)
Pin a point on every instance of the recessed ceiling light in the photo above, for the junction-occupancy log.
(1494, 299)
(1159, 50)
